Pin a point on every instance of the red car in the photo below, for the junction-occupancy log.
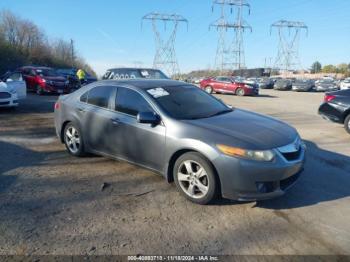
(44, 80)
(224, 84)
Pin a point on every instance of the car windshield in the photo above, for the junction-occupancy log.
(65, 71)
(326, 81)
(187, 102)
(46, 72)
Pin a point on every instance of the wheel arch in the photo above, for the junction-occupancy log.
(179, 153)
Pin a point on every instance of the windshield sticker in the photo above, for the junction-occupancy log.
(157, 92)
(144, 73)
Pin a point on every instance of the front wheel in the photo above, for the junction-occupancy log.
(208, 89)
(240, 92)
(39, 90)
(195, 178)
(73, 140)
(347, 124)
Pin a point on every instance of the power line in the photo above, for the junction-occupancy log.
(288, 48)
(165, 56)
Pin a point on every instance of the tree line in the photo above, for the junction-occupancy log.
(343, 68)
(23, 43)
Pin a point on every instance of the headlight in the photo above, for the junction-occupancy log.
(258, 155)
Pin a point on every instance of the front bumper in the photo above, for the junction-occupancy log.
(9, 102)
(247, 180)
(64, 89)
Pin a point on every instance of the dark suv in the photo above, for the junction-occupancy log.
(44, 80)
(134, 73)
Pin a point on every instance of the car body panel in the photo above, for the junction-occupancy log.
(229, 85)
(338, 108)
(8, 98)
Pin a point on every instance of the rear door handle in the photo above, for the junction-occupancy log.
(115, 121)
(80, 109)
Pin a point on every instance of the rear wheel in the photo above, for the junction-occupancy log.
(347, 124)
(208, 89)
(73, 140)
(240, 92)
(195, 178)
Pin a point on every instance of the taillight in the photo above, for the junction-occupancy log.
(57, 105)
(328, 98)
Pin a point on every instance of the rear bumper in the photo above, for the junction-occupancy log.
(329, 112)
(246, 180)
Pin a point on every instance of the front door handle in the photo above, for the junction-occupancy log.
(115, 121)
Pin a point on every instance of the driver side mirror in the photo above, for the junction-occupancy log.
(148, 118)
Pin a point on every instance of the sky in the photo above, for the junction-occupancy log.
(108, 33)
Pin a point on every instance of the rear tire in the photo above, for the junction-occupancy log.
(208, 89)
(240, 92)
(347, 124)
(73, 140)
(195, 178)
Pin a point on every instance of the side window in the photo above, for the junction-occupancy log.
(130, 102)
(84, 97)
(100, 96)
(15, 77)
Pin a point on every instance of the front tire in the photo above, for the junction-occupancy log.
(73, 140)
(240, 92)
(39, 91)
(208, 89)
(347, 124)
(195, 178)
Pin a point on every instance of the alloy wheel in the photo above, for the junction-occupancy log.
(72, 139)
(193, 179)
(208, 89)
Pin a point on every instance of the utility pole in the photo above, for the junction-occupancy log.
(72, 52)
(288, 48)
(230, 57)
(165, 57)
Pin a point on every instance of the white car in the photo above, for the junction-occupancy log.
(345, 84)
(13, 90)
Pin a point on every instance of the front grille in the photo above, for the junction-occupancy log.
(284, 184)
(292, 156)
(4, 95)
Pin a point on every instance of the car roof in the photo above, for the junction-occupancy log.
(36, 67)
(132, 68)
(146, 83)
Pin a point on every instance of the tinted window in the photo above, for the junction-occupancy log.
(84, 97)
(187, 102)
(100, 95)
(15, 77)
(130, 102)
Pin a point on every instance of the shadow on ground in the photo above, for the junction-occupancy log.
(326, 178)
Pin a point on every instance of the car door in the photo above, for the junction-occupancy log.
(140, 143)
(95, 114)
(29, 76)
(16, 82)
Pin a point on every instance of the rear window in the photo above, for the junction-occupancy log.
(99, 96)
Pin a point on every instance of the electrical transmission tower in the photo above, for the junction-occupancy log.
(288, 48)
(230, 56)
(165, 57)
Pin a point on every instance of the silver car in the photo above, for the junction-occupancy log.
(188, 136)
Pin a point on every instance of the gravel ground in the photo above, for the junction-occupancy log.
(53, 203)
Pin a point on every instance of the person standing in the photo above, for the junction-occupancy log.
(81, 76)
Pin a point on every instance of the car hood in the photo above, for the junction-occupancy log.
(247, 130)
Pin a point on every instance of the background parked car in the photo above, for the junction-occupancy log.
(283, 84)
(134, 73)
(71, 75)
(265, 83)
(345, 84)
(336, 107)
(325, 85)
(12, 90)
(226, 84)
(304, 85)
(44, 80)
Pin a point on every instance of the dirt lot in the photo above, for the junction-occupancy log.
(52, 203)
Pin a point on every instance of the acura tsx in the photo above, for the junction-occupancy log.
(185, 134)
